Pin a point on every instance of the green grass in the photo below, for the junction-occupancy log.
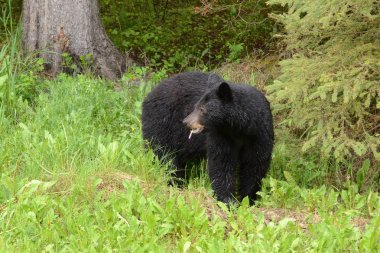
(75, 178)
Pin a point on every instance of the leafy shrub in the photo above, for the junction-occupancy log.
(175, 34)
(329, 88)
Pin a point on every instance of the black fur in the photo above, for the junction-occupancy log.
(237, 139)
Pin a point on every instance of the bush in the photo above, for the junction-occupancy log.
(178, 34)
(329, 88)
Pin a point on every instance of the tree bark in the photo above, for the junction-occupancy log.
(53, 27)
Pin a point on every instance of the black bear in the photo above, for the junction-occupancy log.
(196, 115)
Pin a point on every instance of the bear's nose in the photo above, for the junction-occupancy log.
(192, 121)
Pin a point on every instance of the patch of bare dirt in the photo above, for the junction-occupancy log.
(302, 218)
(113, 181)
(277, 214)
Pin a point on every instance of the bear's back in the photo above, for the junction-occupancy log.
(170, 102)
(178, 94)
(183, 85)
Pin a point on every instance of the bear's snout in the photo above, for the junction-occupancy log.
(192, 121)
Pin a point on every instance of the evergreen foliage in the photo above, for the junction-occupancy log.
(329, 88)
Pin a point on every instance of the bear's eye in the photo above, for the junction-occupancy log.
(202, 109)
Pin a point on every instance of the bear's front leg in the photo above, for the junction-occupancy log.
(222, 162)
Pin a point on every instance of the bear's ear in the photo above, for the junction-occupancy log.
(224, 92)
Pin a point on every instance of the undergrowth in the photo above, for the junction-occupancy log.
(75, 177)
(179, 34)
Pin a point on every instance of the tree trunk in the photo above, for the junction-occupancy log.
(54, 27)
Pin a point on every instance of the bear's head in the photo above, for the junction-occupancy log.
(211, 110)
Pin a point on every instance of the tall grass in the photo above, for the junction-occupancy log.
(18, 70)
(75, 177)
(9, 57)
